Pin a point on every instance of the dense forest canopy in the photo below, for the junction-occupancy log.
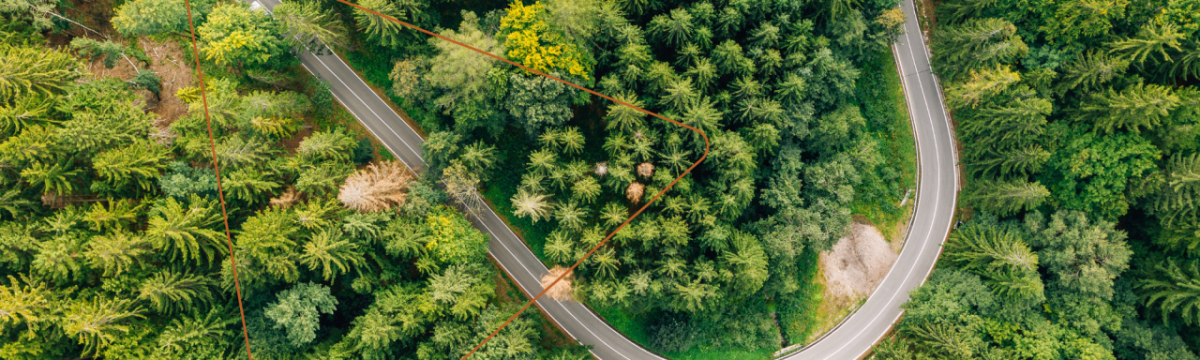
(112, 241)
(771, 83)
(1079, 127)
(114, 211)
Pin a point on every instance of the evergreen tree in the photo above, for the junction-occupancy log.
(297, 310)
(307, 28)
(1175, 289)
(1008, 197)
(1151, 40)
(28, 71)
(186, 231)
(1138, 106)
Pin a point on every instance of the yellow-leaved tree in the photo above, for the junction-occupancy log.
(533, 42)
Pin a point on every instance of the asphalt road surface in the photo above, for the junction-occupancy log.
(936, 196)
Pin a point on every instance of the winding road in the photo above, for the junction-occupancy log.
(935, 203)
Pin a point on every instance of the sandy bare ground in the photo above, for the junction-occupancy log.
(850, 272)
(857, 263)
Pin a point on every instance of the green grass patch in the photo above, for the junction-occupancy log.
(798, 312)
(700, 353)
(632, 325)
(881, 98)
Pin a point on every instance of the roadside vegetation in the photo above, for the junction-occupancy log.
(795, 99)
(1079, 129)
(112, 244)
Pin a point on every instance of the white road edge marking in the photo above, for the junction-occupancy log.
(368, 106)
(936, 204)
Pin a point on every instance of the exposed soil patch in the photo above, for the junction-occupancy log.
(857, 263)
(849, 273)
(928, 16)
(169, 63)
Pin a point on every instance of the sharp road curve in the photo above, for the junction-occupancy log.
(936, 196)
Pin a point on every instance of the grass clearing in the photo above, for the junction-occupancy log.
(881, 97)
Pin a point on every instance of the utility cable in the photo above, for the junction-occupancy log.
(614, 232)
(220, 193)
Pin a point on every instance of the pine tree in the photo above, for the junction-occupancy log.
(277, 127)
(463, 187)
(327, 145)
(1175, 290)
(306, 27)
(137, 163)
(1179, 200)
(98, 322)
(679, 93)
(1008, 197)
(57, 178)
(28, 71)
(674, 30)
(30, 303)
(1151, 39)
(115, 252)
(250, 185)
(527, 203)
(605, 263)
(559, 247)
(983, 249)
(196, 335)
(331, 253)
(624, 118)
(12, 202)
(703, 72)
(92, 48)
(115, 215)
(571, 215)
(478, 156)
(461, 290)
(586, 189)
(1015, 122)
(378, 187)
(25, 111)
(1020, 161)
(1138, 106)
(1090, 70)
(297, 311)
(749, 263)
(981, 85)
(186, 231)
(976, 44)
(1189, 64)
(169, 291)
(561, 290)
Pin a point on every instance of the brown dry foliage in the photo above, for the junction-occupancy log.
(646, 170)
(288, 198)
(378, 187)
(171, 65)
(562, 290)
(634, 192)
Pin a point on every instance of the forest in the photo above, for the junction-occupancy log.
(1079, 125)
(796, 146)
(112, 240)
